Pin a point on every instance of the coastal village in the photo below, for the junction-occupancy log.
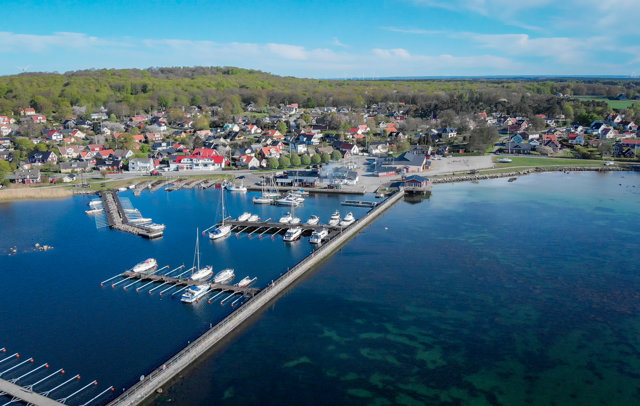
(191, 139)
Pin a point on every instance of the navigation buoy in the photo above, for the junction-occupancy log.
(95, 382)
(17, 355)
(78, 376)
(32, 360)
(62, 372)
(46, 365)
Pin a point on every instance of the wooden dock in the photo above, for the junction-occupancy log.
(170, 280)
(359, 203)
(118, 220)
(345, 190)
(159, 185)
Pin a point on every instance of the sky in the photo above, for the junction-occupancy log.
(328, 38)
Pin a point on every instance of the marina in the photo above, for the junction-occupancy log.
(163, 374)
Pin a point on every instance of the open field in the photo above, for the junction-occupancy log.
(614, 104)
(23, 193)
(523, 162)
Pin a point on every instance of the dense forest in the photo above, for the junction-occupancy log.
(130, 91)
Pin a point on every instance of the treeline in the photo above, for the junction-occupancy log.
(137, 91)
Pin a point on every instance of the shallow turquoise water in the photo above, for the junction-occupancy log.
(494, 293)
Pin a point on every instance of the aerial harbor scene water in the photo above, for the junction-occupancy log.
(418, 202)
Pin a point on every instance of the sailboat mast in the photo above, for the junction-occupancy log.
(198, 247)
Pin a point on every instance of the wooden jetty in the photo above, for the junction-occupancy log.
(194, 184)
(345, 190)
(118, 220)
(179, 184)
(170, 280)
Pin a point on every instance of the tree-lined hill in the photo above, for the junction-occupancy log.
(136, 90)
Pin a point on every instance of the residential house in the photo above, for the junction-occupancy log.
(576, 139)
(39, 119)
(416, 182)
(290, 108)
(378, 148)
(75, 166)
(553, 144)
(6, 155)
(275, 134)
(95, 147)
(41, 158)
(5, 129)
(111, 163)
(5, 143)
(154, 137)
(252, 129)
(270, 152)
(248, 161)
(198, 162)
(53, 135)
(346, 148)
(231, 127)
(75, 133)
(99, 116)
(103, 153)
(613, 119)
(26, 176)
(299, 148)
(519, 148)
(448, 132)
(70, 151)
(7, 120)
(29, 111)
(141, 165)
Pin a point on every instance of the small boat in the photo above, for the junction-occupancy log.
(347, 220)
(244, 216)
(505, 160)
(295, 220)
(140, 220)
(246, 281)
(122, 189)
(271, 195)
(313, 220)
(93, 211)
(95, 203)
(286, 219)
(232, 187)
(292, 234)
(288, 200)
(194, 293)
(335, 219)
(155, 227)
(318, 236)
(224, 276)
(131, 187)
(221, 230)
(262, 200)
(300, 192)
(254, 218)
(145, 266)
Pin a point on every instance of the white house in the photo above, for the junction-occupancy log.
(141, 165)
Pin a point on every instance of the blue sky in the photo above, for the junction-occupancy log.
(327, 39)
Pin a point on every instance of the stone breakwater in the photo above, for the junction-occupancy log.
(471, 178)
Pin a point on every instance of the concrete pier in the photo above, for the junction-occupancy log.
(118, 220)
(25, 395)
(164, 373)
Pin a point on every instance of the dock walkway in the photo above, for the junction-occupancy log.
(346, 190)
(25, 395)
(247, 226)
(246, 291)
(118, 220)
(163, 374)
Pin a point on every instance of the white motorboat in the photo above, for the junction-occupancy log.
(289, 200)
(155, 227)
(194, 293)
(286, 219)
(318, 236)
(347, 220)
(95, 203)
(244, 216)
(221, 230)
(200, 273)
(335, 219)
(140, 220)
(262, 200)
(254, 218)
(246, 281)
(505, 160)
(233, 187)
(224, 276)
(313, 220)
(122, 189)
(292, 234)
(145, 266)
(93, 211)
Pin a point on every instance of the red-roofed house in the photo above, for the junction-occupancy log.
(38, 118)
(27, 112)
(252, 129)
(198, 163)
(576, 139)
(547, 137)
(270, 152)
(104, 153)
(6, 120)
(5, 129)
(247, 161)
(54, 135)
(273, 134)
(154, 137)
(205, 152)
(95, 147)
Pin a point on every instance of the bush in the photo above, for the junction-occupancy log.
(305, 159)
(285, 162)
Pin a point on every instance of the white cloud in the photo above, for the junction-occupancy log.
(562, 49)
(416, 31)
(338, 43)
(11, 42)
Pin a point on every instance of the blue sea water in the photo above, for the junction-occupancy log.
(490, 293)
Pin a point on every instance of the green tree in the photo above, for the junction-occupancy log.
(316, 159)
(295, 159)
(305, 159)
(482, 137)
(23, 144)
(201, 123)
(325, 157)
(273, 163)
(336, 155)
(5, 168)
(284, 162)
(41, 147)
(585, 119)
(282, 127)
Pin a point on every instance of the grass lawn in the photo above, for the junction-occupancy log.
(541, 162)
(614, 104)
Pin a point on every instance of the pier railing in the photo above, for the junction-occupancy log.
(161, 375)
